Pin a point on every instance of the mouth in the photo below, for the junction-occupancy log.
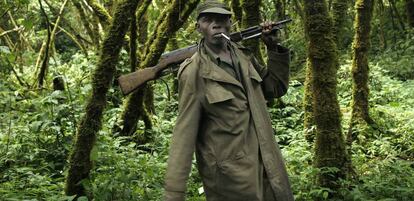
(221, 35)
(218, 35)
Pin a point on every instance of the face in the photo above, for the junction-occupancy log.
(210, 25)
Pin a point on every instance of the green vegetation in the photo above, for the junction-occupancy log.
(38, 126)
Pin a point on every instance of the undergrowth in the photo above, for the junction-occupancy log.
(37, 128)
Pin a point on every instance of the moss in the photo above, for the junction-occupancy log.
(323, 60)
(251, 17)
(339, 12)
(133, 43)
(173, 45)
(84, 19)
(382, 19)
(360, 67)
(80, 162)
(104, 17)
(238, 12)
(174, 17)
(309, 120)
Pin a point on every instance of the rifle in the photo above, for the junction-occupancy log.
(132, 81)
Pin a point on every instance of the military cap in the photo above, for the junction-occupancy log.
(212, 6)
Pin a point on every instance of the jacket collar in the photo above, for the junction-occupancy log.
(211, 70)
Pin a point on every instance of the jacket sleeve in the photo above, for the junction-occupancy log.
(183, 139)
(276, 75)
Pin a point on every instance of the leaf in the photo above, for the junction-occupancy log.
(28, 23)
(325, 194)
(94, 154)
(70, 198)
(83, 198)
(394, 104)
(4, 49)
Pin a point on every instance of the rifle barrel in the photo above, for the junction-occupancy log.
(132, 81)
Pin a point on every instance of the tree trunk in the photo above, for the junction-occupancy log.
(339, 14)
(80, 162)
(133, 43)
(409, 9)
(394, 9)
(309, 119)
(238, 12)
(394, 26)
(104, 17)
(173, 45)
(381, 15)
(251, 17)
(323, 60)
(49, 42)
(175, 16)
(360, 68)
(280, 6)
(94, 36)
(299, 9)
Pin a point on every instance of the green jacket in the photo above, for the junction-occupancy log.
(227, 125)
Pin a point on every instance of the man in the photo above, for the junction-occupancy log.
(224, 119)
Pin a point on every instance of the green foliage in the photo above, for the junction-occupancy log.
(398, 61)
(37, 126)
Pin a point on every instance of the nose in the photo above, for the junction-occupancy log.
(217, 24)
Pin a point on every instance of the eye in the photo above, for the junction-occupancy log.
(207, 19)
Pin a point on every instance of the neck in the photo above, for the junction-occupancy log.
(218, 48)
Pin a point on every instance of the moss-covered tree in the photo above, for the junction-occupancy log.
(339, 15)
(237, 12)
(360, 67)
(409, 10)
(297, 6)
(308, 119)
(175, 15)
(280, 6)
(47, 45)
(323, 62)
(103, 15)
(173, 45)
(94, 36)
(80, 163)
(395, 13)
(133, 46)
(381, 16)
(251, 17)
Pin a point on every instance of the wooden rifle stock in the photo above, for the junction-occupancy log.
(132, 81)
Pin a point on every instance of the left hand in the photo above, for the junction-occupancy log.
(270, 39)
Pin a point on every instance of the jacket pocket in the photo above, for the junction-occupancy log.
(225, 111)
(216, 93)
(236, 178)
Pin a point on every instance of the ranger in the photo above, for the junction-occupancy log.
(223, 116)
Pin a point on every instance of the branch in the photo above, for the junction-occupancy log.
(74, 39)
(50, 40)
(12, 30)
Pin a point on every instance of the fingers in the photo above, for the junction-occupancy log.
(267, 26)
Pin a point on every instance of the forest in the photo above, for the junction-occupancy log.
(345, 126)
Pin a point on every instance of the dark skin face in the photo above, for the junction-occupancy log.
(210, 25)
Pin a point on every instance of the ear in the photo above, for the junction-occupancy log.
(197, 25)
